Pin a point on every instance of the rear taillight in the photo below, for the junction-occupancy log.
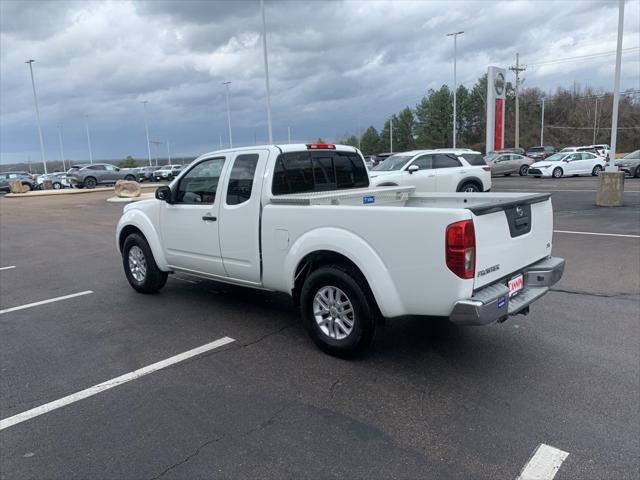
(460, 249)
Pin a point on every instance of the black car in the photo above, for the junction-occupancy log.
(25, 177)
(541, 152)
(146, 173)
(630, 164)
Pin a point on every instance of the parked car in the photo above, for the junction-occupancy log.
(630, 164)
(379, 158)
(518, 151)
(58, 180)
(541, 152)
(602, 149)
(568, 163)
(168, 172)
(92, 175)
(441, 170)
(145, 174)
(508, 163)
(303, 220)
(25, 178)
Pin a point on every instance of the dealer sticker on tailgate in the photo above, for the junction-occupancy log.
(516, 284)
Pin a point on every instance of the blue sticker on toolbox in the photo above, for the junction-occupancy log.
(501, 302)
(368, 199)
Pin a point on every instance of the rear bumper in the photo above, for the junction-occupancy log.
(492, 303)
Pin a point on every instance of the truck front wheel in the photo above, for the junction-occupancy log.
(140, 267)
(338, 310)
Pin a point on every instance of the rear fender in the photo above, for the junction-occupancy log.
(359, 252)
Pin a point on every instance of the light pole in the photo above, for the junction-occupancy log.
(226, 84)
(289, 134)
(542, 124)
(220, 142)
(595, 121)
(391, 134)
(156, 143)
(611, 167)
(61, 147)
(86, 124)
(146, 129)
(168, 153)
(455, 53)
(35, 99)
(266, 71)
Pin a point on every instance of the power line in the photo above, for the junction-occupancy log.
(582, 57)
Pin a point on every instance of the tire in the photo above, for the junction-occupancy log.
(596, 171)
(130, 178)
(469, 187)
(636, 174)
(524, 169)
(29, 186)
(557, 172)
(56, 186)
(90, 182)
(333, 337)
(140, 267)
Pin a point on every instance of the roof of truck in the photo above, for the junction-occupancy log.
(286, 147)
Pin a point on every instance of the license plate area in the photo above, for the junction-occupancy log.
(515, 285)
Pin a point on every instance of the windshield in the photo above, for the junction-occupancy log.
(536, 149)
(633, 155)
(556, 157)
(491, 157)
(394, 162)
(568, 149)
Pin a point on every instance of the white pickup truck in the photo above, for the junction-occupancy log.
(302, 219)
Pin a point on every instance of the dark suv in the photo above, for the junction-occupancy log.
(95, 174)
(541, 152)
(25, 178)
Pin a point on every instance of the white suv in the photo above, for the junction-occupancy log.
(440, 170)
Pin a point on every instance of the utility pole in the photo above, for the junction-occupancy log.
(266, 71)
(455, 87)
(611, 167)
(517, 69)
(146, 129)
(35, 98)
(595, 121)
(86, 124)
(542, 124)
(391, 134)
(64, 168)
(226, 84)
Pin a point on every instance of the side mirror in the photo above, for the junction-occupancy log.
(413, 168)
(165, 194)
(117, 169)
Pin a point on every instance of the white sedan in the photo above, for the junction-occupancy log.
(568, 163)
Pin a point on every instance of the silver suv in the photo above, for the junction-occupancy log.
(95, 174)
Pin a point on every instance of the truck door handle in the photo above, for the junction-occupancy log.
(209, 218)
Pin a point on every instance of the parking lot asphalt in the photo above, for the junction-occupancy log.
(431, 400)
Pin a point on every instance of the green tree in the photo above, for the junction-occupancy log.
(370, 141)
(129, 162)
(403, 131)
(434, 116)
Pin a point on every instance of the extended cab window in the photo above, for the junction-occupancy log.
(442, 160)
(241, 179)
(200, 184)
(318, 171)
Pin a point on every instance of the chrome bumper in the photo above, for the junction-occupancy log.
(492, 303)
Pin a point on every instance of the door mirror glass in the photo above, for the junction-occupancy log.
(413, 168)
(164, 193)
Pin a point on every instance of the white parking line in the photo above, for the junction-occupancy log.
(8, 268)
(596, 233)
(543, 464)
(43, 302)
(101, 387)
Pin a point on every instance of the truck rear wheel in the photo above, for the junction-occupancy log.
(338, 310)
(140, 267)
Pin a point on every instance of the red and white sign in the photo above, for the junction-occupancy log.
(495, 108)
(516, 284)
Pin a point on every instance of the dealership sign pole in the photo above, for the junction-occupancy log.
(495, 109)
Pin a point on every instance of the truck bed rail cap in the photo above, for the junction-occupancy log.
(311, 198)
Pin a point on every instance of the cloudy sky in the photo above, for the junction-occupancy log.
(333, 65)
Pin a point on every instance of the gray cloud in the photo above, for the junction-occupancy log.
(333, 64)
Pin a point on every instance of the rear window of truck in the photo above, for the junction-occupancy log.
(318, 171)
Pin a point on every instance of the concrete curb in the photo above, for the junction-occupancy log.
(72, 191)
(143, 196)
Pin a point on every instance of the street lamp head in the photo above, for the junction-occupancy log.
(455, 33)
(30, 61)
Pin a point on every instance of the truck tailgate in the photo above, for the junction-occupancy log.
(511, 236)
